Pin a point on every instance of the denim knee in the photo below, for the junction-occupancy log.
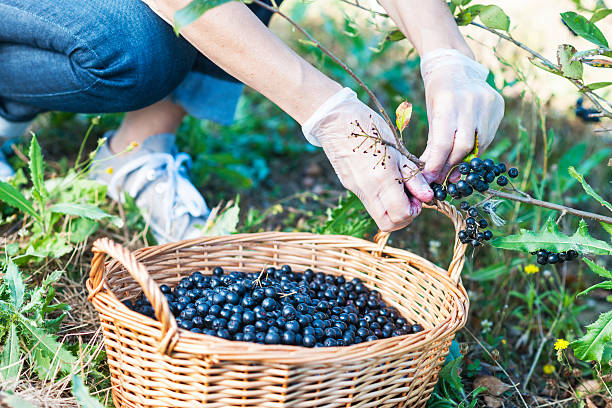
(88, 55)
(138, 61)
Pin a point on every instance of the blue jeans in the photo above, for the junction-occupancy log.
(96, 56)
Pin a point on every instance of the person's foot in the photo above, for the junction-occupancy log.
(156, 176)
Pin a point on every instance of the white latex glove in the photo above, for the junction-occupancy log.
(378, 183)
(459, 103)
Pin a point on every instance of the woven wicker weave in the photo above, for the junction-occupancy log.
(155, 364)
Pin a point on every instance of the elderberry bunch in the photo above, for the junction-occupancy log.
(475, 232)
(477, 175)
(279, 306)
(547, 257)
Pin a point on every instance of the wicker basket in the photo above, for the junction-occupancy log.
(155, 364)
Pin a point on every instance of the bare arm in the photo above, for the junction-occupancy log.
(427, 24)
(232, 37)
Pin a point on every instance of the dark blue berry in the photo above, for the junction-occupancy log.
(502, 181)
(464, 168)
(476, 163)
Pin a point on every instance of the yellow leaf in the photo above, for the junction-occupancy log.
(402, 115)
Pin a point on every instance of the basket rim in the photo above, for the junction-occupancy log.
(215, 349)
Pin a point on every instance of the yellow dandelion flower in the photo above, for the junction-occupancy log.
(561, 344)
(531, 269)
(549, 369)
(134, 144)
(110, 170)
(504, 342)
(131, 147)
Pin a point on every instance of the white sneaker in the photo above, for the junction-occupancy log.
(156, 176)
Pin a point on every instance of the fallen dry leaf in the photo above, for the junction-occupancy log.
(588, 387)
(494, 385)
(493, 402)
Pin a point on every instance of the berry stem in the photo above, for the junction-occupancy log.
(398, 145)
(527, 199)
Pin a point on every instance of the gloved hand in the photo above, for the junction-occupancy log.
(361, 165)
(459, 103)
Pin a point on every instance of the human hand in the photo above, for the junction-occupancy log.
(460, 104)
(387, 183)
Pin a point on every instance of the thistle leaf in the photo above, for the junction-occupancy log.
(552, 239)
(81, 393)
(590, 347)
(36, 168)
(14, 281)
(587, 188)
(10, 366)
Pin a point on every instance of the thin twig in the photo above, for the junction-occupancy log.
(527, 199)
(359, 6)
(577, 83)
(602, 130)
(399, 146)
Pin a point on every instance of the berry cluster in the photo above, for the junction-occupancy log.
(546, 257)
(475, 232)
(279, 306)
(476, 175)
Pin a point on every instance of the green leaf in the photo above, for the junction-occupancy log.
(599, 270)
(585, 29)
(569, 68)
(10, 366)
(551, 239)
(36, 168)
(193, 11)
(224, 223)
(14, 198)
(598, 85)
(588, 189)
(590, 347)
(395, 35)
(349, 217)
(81, 229)
(14, 401)
(14, 281)
(607, 228)
(81, 393)
(543, 66)
(88, 211)
(607, 285)
(600, 14)
(47, 346)
(494, 17)
(36, 298)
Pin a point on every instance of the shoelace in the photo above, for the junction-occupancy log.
(186, 199)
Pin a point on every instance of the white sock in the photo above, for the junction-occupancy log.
(9, 130)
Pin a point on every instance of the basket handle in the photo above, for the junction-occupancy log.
(95, 283)
(456, 264)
